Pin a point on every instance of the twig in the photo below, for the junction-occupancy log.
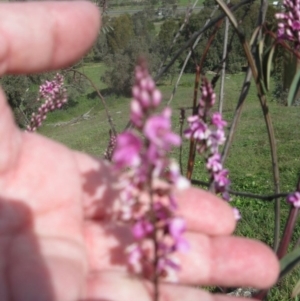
(223, 70)
(186, 19)
(289, 228)
(109, 118)
(188, 57)
(181, 122)
(195, 35)
(192, 151)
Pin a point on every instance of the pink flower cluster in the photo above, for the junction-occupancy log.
(289, 27)
(108, 154)
(55, 95)
(208, 131)
(149, 206)
(294, 199)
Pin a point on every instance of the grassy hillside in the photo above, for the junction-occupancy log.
(249, 161)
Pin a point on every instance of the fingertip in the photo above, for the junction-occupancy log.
(43, 36)
(249, 262)
(268, 265)
(88, 16)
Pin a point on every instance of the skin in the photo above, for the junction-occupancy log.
(57, 242)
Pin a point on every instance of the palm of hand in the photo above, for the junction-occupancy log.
(47, 218)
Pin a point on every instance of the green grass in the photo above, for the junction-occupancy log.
(249, 161)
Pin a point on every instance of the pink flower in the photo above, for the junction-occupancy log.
(55, 96)
(294, 199)
(214, 163)
(49, 88)
(136, 113)
(127, 152)
(296, 25)
(142, 228)
(153, 221)
(176, 230)
(236, 214)
(215, 139)
(208, 131)
(108, 154)
(289, 26)
(221, 179)
(135, 258)
(217, 120)
(158, 130)
(145, 95)
(197, 129)
(208, 97)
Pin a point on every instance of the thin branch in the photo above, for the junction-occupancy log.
(289, 228)
(109, 118)
(181, 121)
(237, 114)
(188, 57)
(185, 22)
(199, 67)
(192, 150)
(195, 35)
(223, 71)
(262, 17)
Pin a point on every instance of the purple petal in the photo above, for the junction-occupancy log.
(127, 152)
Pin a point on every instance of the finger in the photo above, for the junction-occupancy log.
(205, 212)
(228, 261)
(41, 36)
(103, 286)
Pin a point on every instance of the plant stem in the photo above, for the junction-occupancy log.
(192, 152)
(182, 119)
(188, 57)
(185, 22)
(109, 118)
(288, 232)
(223, 71)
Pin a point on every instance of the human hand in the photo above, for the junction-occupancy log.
(57, 242)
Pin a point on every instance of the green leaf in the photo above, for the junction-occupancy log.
(296, 289)
(267, 66)
(227, 11)
(294, 89)
(254, 35)
(289, 262)
(259, 63)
